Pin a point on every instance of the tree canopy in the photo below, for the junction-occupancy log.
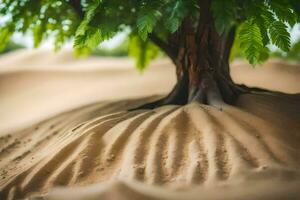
(90, 22)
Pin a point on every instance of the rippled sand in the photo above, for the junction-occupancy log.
(102, 151)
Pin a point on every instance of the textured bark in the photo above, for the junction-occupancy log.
(201, 57)
(202, 75)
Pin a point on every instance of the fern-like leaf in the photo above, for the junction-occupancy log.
(251, 41)
(146, 22)
(279, 35)
(284, 12)
(176, 10)
(89, 36)
(263, 17)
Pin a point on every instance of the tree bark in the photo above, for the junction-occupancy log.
(201, 58)
(202, 75)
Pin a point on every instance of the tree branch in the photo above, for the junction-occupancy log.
(163, 45)
(229, 43)
(76, 5)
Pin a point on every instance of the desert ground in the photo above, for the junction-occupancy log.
(66, 132)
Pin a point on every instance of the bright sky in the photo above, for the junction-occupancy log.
(27, 41)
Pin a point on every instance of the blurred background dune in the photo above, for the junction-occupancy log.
(36, 84)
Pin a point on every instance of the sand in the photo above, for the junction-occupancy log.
(60, 127)
(53, 85)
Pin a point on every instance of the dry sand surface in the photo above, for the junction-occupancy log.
(63, 123)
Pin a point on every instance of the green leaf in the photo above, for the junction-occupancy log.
(224, 14)
(89, 40)
(284, 12)
(83, 32)
(264, 55)
(176, 11)
(146, 22)
(142, 50)
(263, 17)
(94, 39)
(59, 40)
(38, 32)
(5, 35)
(94, 29)
(251, 41)
(279, 35)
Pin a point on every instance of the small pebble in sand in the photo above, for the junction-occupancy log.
(80, 174)
(141, 170)
(111, 157)
(100, 169)
(264, 167)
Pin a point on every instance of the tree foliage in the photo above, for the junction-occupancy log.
(143, 50)
(293, 54)
(90, 22)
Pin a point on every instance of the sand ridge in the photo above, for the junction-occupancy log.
(173, 146)
(102, 151)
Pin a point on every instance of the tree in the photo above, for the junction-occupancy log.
(197, 35)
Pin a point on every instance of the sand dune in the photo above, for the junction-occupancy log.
(102, 151)
(31, 79)
(176, 147)
(48, 87)
(274, 75)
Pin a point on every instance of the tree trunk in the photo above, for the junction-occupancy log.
(207, 67)
(202, 69)
(201, 57)
(200, 78)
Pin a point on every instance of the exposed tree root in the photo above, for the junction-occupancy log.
(247, 89)
(207, 92)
